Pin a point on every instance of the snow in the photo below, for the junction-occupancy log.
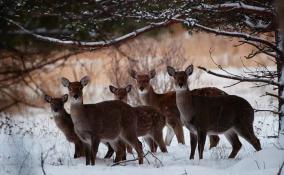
(258, 25)
(21, 152)
(32, 136)
(238, 5)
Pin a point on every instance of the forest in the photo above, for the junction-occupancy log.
(141, 86)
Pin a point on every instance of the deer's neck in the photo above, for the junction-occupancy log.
(60, 117)
(149, 98)
(184, 104)
(77, 112)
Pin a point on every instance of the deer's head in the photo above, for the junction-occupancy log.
(75, 88)
(56, 104)
(143, 80)
(180, 77)
(120, 93)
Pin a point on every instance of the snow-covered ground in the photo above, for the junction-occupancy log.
(28, 140)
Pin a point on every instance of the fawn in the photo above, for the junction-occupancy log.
(113, 121)
(150, 122)
(166, 103)
(64, 122)
(227, 114)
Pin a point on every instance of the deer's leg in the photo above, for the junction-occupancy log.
(129, 149)
(95, 141)
(155, 146)
(110, 151)
(193, 143)
(150, 143)
(131, 138)
(247, 133)
(169, 136)
(201, 138)
(235, 142)
(177, 126)
(77, 151)
(120, 151)
(214, 140)
(124, 152)
(158, 138)
(87, 153)
(81, 149)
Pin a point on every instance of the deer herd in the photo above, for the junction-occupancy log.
(205, 111)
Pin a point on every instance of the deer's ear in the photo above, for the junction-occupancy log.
(65, 82)
(152, 73)
(112, 89)
(171, 71)
(128, 88)
(84, 81)
(133, 73)
(65, 98)
(47, 98)
(189, 70)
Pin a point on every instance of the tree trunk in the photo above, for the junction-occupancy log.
(280, 44)
(280, 70)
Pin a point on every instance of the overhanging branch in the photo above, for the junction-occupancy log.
(241, 79)
(96, 44)
(237, 7)
(238, 35)
(244, 36)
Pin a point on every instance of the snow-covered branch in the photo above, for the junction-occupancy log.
(241, 78)
(238, 6)
(96, 44)
(247, 37)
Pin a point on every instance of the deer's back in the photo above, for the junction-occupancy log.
(221, 112)
(105, 119)
(148, 118)
(208, 91)
(167, 105)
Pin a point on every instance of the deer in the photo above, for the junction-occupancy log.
(150, 122)
(111, 121)
(230, 115)
(64, 122)
(166, 104)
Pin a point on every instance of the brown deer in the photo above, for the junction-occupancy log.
(228, 114)
(113, 121)
(64, 122)
(150, 122)
(166, 103)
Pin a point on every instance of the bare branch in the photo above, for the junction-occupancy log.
(238, 6)
(266, 110)
(274, 95)
(246, 37)
(280, 169)
(192, 23)
(242, 79)
(96, 44)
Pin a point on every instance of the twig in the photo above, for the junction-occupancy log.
(135, 159)
(42, 163)
(274, 95)
(267, 110)
(131, 160)
(280, 169)
(232, 84)
(156, 158)
(43, 158)
(242, 79)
